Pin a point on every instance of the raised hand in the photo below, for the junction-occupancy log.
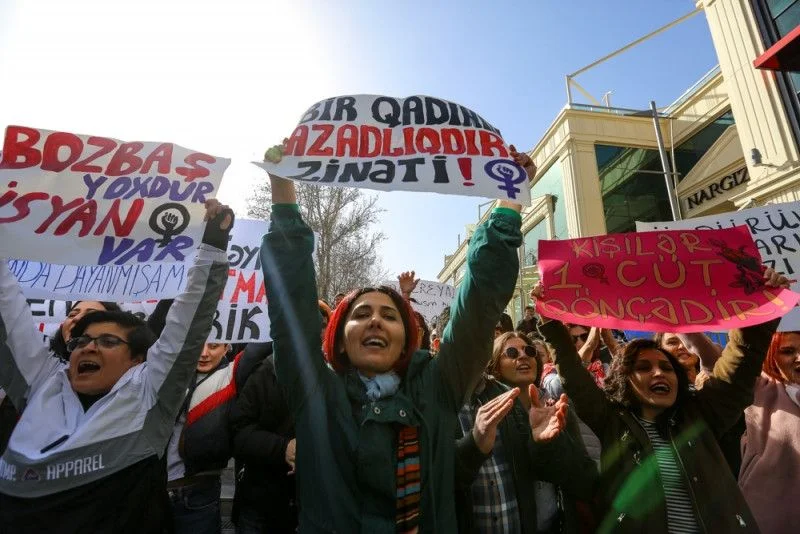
(489, 415)
(773, 278)
(283, 191)
(407, 283)
(219, 221)
(290, 455)
(275, 153)
(524, 160)
(547, 422)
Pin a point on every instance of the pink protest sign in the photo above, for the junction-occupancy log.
(670, 281)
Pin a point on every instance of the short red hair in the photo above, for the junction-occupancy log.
(335, 330)
(770, 365)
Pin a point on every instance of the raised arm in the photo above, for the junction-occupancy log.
(701, 344)
(24, 358)
(590, 402)
(291, 289)
(172, 360)
(487, 286)
(729, 390)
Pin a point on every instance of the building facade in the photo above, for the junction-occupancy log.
(732, 141)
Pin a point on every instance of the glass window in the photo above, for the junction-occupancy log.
(777, 18)
(552, 183)
(539, 231)
(630, 195)
(688, 153)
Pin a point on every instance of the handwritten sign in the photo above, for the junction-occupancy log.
(89, 200)
(419, 143)
(776, 231)
(667, 281)
(241, 314)
(430, 298)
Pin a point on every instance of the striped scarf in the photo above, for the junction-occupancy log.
(408, 480)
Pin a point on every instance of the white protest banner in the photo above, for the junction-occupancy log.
(118, 283)
(419, 143)
(429, 298)
(88, 200)
(241, 315)
(776, 231)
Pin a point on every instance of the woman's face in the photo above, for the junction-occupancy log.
(654, 381)
(544, 354)
(374, 334)
(76, 313)
(673, 344)
(579, 336)
(789, 358)
(211, 355)
(515, 367)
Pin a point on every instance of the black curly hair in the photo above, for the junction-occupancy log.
(617, 384)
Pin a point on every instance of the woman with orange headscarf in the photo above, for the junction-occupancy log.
(771, 444)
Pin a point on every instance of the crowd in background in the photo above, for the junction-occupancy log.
(359, 417)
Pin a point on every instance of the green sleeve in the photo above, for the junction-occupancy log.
(290, 285)
(487, 286)
(729, 390)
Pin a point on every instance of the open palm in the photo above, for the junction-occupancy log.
(547, 422)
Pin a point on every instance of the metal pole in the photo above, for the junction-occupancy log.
(569, 91)
(522, 280)
(673, 198)
(637, 41)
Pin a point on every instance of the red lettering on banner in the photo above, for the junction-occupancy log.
(52, 146)
(85, 215)
(296, 146)
(15, 148)
(121, 228)
(105, 145)
(195, 170)
(369, 142)
(57, 208)
(318, 147)
(490, 142)
(248, 285)
(22, 206)
(453, 141)
(162, 156)
(62, 151)
(125, 160)
(347, 138)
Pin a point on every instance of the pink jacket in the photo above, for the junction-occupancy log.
(770, 474)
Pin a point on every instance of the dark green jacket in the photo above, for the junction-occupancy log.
(562, 462)
(630, 487)
(346, 446)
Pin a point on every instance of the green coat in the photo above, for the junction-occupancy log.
(630, 487)
(346, 455)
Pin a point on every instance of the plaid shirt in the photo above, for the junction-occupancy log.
(494, 499)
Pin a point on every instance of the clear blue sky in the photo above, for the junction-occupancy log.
(233, 77)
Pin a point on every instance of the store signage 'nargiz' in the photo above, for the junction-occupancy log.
(726, 183)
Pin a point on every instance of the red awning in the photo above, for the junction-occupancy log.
(783, 55)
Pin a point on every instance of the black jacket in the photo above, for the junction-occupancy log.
(262, 428)
(563, 462)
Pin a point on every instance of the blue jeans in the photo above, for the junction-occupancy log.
(195, 509)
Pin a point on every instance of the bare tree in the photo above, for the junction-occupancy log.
(347, 246)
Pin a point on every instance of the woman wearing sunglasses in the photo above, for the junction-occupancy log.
(540, 471)
(86, 454)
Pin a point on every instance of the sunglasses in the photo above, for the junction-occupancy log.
(582, 337)
(513, 352)
(103, 341)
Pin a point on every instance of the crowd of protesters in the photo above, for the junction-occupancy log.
(358, 417)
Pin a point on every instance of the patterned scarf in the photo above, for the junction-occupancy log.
(598, 372)
(408, 480)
